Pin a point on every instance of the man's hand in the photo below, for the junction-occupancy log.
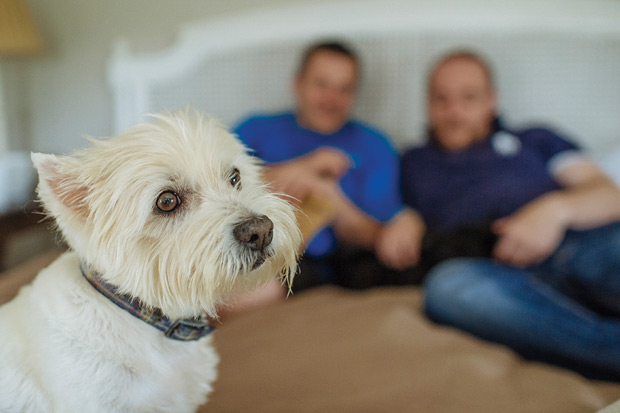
(318, 171)
(291, 179)
(531, 234)
(399, 243)
(327, 162)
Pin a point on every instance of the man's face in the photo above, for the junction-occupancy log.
(325, 91)
(461, 104)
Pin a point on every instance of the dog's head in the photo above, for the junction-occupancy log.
(174, 213)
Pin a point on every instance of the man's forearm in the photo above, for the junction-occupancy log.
(356, 227)
(588, 206)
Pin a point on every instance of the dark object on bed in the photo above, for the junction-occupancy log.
(476, 240)
(356, 268)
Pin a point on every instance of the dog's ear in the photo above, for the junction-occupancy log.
(59, 188)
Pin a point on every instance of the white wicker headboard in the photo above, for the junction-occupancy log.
(556, 63)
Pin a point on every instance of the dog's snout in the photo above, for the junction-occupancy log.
(256, 232)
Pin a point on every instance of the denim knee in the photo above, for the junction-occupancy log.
(450, 287)
(587, 262)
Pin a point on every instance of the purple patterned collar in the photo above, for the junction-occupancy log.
(184, 330)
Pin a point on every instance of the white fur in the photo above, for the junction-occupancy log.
(64, 347)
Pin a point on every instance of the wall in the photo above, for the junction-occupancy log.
(57, 97)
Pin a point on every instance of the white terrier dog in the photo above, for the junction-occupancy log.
(165, 222)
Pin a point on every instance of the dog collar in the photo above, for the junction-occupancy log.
(184, 330)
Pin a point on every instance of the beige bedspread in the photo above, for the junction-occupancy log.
(330, 350)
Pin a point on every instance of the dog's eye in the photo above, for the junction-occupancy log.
(235, 178)
(168, 201)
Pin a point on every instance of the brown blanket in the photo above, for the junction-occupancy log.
(330, 350)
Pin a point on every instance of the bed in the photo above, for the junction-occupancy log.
(330, 350)
(373, 351)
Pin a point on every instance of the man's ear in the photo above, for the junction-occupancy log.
(59, 189)
(296, 83)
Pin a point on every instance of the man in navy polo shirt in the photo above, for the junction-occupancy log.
(318, 149)
(551, 288)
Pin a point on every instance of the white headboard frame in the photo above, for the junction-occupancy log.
(134, 76)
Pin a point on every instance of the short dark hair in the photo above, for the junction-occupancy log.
(463, 54)
(333, 46)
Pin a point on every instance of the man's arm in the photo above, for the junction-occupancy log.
(588, 199)
(318, 173)
(308, 173)
(399, 243)
(353, 225)
(591, 199)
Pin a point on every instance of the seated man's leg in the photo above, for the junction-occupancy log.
(587, 266)
(512, 307)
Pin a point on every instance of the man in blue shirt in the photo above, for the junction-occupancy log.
(317, 149)
(550, 287)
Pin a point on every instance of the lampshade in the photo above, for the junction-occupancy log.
(18, 31)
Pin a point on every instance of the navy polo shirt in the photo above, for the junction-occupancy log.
(489, 180)
(371, 183)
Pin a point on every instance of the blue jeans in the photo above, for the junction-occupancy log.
(565, 311)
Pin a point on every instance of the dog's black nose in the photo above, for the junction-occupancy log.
(256, 232)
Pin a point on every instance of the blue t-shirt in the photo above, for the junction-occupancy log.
(489, 180)
(371, 183)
